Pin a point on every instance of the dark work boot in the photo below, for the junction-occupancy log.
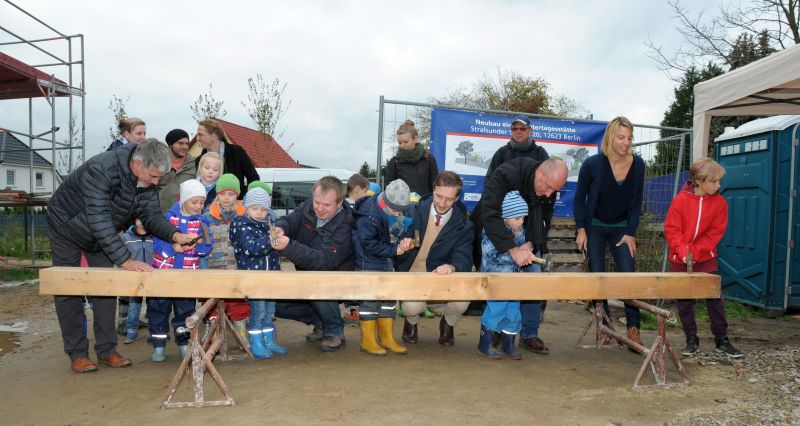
(446, 336)
(410, 332)
(724, 346)
(485, 347)
(692, 346)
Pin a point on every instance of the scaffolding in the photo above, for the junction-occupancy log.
(19, 80)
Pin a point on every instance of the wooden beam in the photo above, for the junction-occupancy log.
(376, 285)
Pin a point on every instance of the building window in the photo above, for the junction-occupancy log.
(11, 176)
(40, 179)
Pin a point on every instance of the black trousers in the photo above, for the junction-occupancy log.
(69, 309)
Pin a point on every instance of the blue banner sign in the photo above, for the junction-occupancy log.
(464, 142)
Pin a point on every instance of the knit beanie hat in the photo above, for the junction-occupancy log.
(192, 188)
(228, 182)
(374, 188)
(175, 135)
(397, 195)
(514, 206)
(257, 197)
(259, 184)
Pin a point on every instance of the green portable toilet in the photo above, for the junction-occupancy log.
(760, 186)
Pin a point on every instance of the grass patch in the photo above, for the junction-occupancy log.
(15, 247)
(734, 311)
(19, 274)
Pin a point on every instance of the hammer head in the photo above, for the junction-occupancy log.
(548, 262)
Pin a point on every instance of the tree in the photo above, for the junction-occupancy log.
(465, 148)
(266, 105)
(505, 91)
(774, 23)
(206, 106)
(117, 107)
(67, 161)
(366, 171)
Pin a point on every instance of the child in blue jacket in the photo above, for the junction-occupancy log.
(187, 216)
(249, 235)
(503, 316)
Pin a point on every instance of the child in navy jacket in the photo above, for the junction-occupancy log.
(250, 237)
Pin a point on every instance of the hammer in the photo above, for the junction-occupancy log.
(546, 261)
(689, 262)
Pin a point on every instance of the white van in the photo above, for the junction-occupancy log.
(290, 187)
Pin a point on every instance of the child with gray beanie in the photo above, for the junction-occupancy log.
(381, 234)
(250, 237)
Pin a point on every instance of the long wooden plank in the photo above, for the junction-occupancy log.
(376, 285)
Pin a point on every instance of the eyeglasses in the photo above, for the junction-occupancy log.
(520, 129)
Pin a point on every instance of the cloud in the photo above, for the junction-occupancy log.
(339, 57)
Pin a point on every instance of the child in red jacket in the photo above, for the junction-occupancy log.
(695, 224)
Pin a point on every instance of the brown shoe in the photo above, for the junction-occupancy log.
(83, 365)
(535, 345)
(114, 360)
(410, 332)
(633, 334)
(446, 333)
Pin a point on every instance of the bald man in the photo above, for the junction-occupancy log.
(536, 181)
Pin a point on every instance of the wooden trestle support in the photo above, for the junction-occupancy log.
(654, 356)
(202, 354)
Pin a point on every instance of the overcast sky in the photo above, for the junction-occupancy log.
(338, 57)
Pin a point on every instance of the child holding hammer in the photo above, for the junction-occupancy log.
(695, 224)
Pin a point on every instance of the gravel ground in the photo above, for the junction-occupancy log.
(769, 380)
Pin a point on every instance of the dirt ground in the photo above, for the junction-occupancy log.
(432, 384)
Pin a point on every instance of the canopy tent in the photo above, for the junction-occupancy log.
(769, 86)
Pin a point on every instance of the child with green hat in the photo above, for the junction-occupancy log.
(220, 214)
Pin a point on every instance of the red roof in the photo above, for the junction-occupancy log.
(19, 80)
(263, 153)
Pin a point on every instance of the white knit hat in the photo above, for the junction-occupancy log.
(192, 188)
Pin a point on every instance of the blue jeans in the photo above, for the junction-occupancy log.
(261, 313)
(531, 310)
(600, 237)
(324, 313)
(134, 309)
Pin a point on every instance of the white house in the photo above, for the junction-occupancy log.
(15, 167)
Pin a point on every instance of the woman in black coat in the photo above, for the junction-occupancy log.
(235, 159)
(412, 163)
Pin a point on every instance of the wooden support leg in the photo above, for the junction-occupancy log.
(201, 361)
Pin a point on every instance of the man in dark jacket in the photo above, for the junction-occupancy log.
(445, 246)
(183, 168)
(519, 146)
(537, 182)
(317, 236)
(86, 214)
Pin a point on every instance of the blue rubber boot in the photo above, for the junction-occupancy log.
(485, 347)
(269, 341)
(257, 345)
(158, 354)
(509, 346)
(183, 350)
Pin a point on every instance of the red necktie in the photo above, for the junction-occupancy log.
(438, 218)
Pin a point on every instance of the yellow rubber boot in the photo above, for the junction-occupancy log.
(369, 341)
(386, 331)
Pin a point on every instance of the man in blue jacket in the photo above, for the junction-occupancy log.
(445, 246)
(317, 236)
